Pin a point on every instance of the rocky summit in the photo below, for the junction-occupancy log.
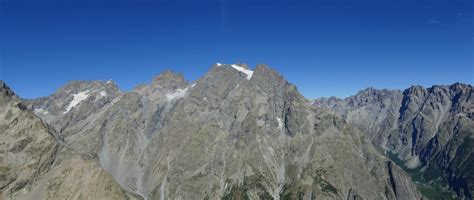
(235, 133)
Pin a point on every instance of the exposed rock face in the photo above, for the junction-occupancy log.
(429, 130)
(74, 106)
(233, 134)
(72, 177)
(34, 164)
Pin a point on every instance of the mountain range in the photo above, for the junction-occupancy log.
(235, 133)
(427, 130)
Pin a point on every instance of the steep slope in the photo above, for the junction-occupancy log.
(34, 164)
(430, 131)
(233, 134)
(74, 102)
(74, 106)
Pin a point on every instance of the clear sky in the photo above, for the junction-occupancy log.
(326, 48)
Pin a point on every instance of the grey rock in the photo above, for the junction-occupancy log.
(35, 164)
(229, 136)
(429, 130)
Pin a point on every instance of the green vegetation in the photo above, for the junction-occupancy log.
(428, 182)
(327, 187)
(250, 183)
(236, 193)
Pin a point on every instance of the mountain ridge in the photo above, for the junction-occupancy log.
(231, 134)
(421, 126)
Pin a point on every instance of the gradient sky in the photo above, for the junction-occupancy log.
(326, 48)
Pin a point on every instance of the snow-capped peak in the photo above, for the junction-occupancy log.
(81, 96)
(241, 69)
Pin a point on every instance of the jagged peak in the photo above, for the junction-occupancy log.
(333, 98)
(451, 86)
(458, 84)
(460, 87)
(368, 91)
(82, 82)
(328, 99)
(265, 74)
(371, 91)
(264, 79)
(415, 89)
(239, 64)
(168, 74)
(81, 85)
(264, 69)
(241, 67)
(454, 86)
(75, 87)
(5, 90)
(7, 96)
(169, 80)
(418, 89)
(111, 83)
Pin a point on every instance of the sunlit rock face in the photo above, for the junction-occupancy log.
(35, 164)
(429, 130)
(236, 133)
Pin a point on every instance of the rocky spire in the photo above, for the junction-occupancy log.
(169, 80)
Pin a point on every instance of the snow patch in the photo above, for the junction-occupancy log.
(103, 93)
(41, 111)
(114, 101)
(219, 64)
(81, 96)
(241, 69)
(179, 93)
(280, 123)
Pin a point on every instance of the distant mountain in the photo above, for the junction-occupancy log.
(233, 134)
(428, 130)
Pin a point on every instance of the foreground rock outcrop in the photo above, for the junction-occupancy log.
(34, 163)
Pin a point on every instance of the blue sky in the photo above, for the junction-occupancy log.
(326, 48)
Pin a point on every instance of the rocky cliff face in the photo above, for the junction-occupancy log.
(34, 163)
(233, 134)
(429, 130)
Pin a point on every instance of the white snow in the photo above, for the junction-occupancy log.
(179, 93)
(241, 69)
(280, 123)
(103, 93)
(114, 101)
(41, 111)
(109, 81)
(219, 64)
(81, 96)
